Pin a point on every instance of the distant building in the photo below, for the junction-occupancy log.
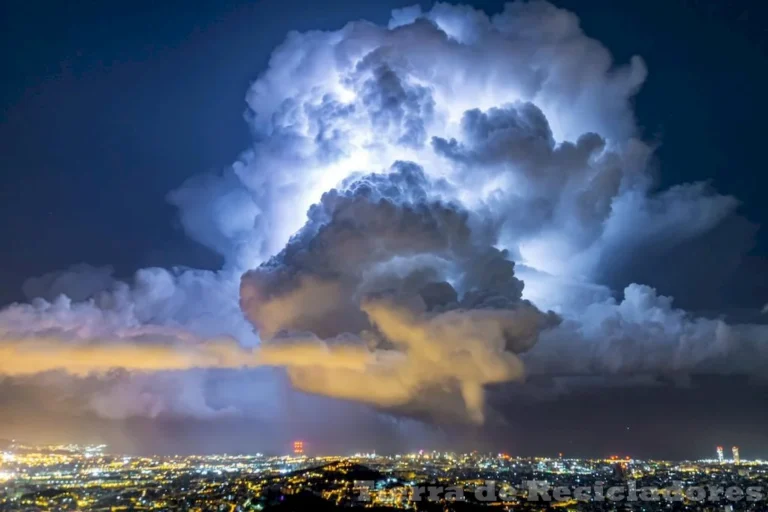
(298, 447)
(620, 471)
(736, 457)
(720, 458)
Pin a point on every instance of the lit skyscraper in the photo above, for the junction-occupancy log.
(720, 454)
(736, 457)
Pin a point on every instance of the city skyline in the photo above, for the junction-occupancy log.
(299, 449)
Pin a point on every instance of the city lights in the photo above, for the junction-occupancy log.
(85, 478)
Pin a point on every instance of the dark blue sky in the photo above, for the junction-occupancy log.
(106, 106)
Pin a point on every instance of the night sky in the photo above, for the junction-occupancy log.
(106, 107)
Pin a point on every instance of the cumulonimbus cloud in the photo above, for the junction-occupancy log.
(427, 206)
(412, 281)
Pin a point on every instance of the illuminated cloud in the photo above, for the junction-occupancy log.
(516, 127)
(497, 105)
(373, 269)
(99, 335)
(644, 334)
(462, 350)
(28, 356)
(416, 200)
(159, 326)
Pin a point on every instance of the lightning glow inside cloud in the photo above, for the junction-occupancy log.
(426, 207)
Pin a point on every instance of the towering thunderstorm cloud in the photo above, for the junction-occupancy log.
(409, 292)
(428, 209)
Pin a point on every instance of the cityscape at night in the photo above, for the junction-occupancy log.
(89, 478)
